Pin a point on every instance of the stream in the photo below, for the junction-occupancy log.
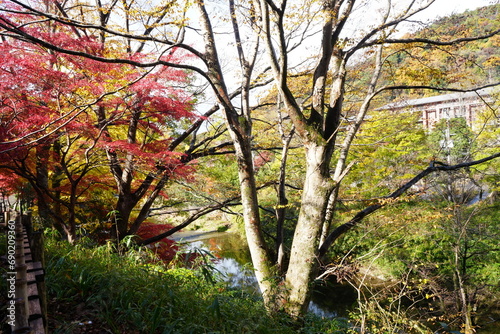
(234, 263)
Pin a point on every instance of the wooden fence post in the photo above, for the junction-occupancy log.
(22, 306)
(28, 287)
(6, 216)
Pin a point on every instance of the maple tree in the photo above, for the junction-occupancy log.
(35, 132)
(165, 248)
(63, 112)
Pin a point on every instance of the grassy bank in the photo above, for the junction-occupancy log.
(96, 290)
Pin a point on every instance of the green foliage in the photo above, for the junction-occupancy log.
(219, 176)
(383, 163)
(419, 247)
(452, 140)
(377, 319)
(317, 325)
(488, 139)
(129, 293)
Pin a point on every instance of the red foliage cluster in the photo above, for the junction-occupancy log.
(166, 249)
(262, 158)
(80, 118)
(9, 183)
(41, 91)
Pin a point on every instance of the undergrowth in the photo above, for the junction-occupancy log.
(96, 287)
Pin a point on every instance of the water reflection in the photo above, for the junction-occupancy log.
(316, 309)
(234, 264)
(233, 261)
(236, 273)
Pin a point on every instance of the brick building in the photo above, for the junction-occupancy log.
(457, 104)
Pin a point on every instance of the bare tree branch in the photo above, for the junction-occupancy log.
(434, 167)
(199, 213)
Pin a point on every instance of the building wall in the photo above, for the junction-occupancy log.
(458, 104)
(434, 112)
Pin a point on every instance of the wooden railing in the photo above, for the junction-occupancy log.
(26, 309)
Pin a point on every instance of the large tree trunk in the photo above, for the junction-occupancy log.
(251, 216)
(240, 129)
(123, 210)
(303, 257)
(42, 182)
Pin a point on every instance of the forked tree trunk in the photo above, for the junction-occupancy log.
(303, 264)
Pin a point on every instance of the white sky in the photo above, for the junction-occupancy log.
(440, 8)
(447, 7)
(369, 12)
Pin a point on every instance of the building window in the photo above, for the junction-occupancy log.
(444, 113)
(431, 118)
(461, 111)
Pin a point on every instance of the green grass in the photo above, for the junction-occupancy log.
(127, 294)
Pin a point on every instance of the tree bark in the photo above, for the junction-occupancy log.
(281, 208)
(303, 263)
(251, 216)
(240, 129)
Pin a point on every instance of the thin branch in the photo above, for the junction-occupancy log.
(434, 167)
(200, 213)
(185, 223)
(436, 88)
